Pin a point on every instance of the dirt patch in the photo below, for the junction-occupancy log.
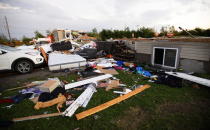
(132, 118)
(190, 107)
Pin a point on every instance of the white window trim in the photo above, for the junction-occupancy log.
(153, 57)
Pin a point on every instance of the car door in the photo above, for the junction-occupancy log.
(4, 60)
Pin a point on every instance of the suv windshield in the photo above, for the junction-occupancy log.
(8, 48)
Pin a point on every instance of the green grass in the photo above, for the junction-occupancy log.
(159, 107)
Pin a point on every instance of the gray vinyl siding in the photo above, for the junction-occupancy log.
(188, 50)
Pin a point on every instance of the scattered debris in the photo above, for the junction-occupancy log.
(49, 85)
(125, 91)
(110, 103)
(9, 106)
(82, 100)
(59, 101)
(87, 81)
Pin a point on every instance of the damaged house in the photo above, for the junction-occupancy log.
(191, 55)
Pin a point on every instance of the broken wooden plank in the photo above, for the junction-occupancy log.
(44, 54)
(87, 81)
(26, 86)
(110, 103)
(36, 117)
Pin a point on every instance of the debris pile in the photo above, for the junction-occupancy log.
(99, 73)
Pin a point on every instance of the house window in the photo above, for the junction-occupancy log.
(166, 57)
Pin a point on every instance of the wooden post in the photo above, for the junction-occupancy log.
(36, 117)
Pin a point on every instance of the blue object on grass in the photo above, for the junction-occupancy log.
(120, 63)
(143, 72)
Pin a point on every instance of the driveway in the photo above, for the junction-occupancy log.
(9, 79)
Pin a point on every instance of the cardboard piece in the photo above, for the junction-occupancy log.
(49, 85)
(107, 71)
(113, 84)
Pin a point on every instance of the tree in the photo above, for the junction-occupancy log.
(163, 31)
(26, 40)
(147, 32)
(106, 34)
(207, 32)
(94, 30)
(38, 35)
(94, 33)
(3, 39)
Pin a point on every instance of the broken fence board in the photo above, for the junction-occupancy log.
(110, 103)
(87, 81)
(36, 117)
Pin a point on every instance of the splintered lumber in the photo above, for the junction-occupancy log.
(110, 103)
(87, 81)
(36, 117)
(44, 54)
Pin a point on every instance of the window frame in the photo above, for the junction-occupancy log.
(165, 48)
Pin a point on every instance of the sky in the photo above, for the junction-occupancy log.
(26, 16)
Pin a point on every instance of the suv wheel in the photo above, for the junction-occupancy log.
(24, 66)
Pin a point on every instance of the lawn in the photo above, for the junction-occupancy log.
(159, 107)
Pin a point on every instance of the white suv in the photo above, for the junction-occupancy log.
(22, 61)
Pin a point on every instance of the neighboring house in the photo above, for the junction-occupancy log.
(189, 55)
(60, 35)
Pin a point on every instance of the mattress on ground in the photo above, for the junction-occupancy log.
(58, 61)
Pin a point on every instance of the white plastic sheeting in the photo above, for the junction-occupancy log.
(87, 81)
(82, 100)
(192, 78)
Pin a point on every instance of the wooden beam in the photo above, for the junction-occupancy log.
(36, 117)
(110, 103)
(26, 86)
(44, 54)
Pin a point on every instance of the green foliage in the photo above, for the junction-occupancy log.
(26, 40)
(38, 35)
(147, 32)
(3, 39)
(127, 33)
(195, 32)
(94, 33)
